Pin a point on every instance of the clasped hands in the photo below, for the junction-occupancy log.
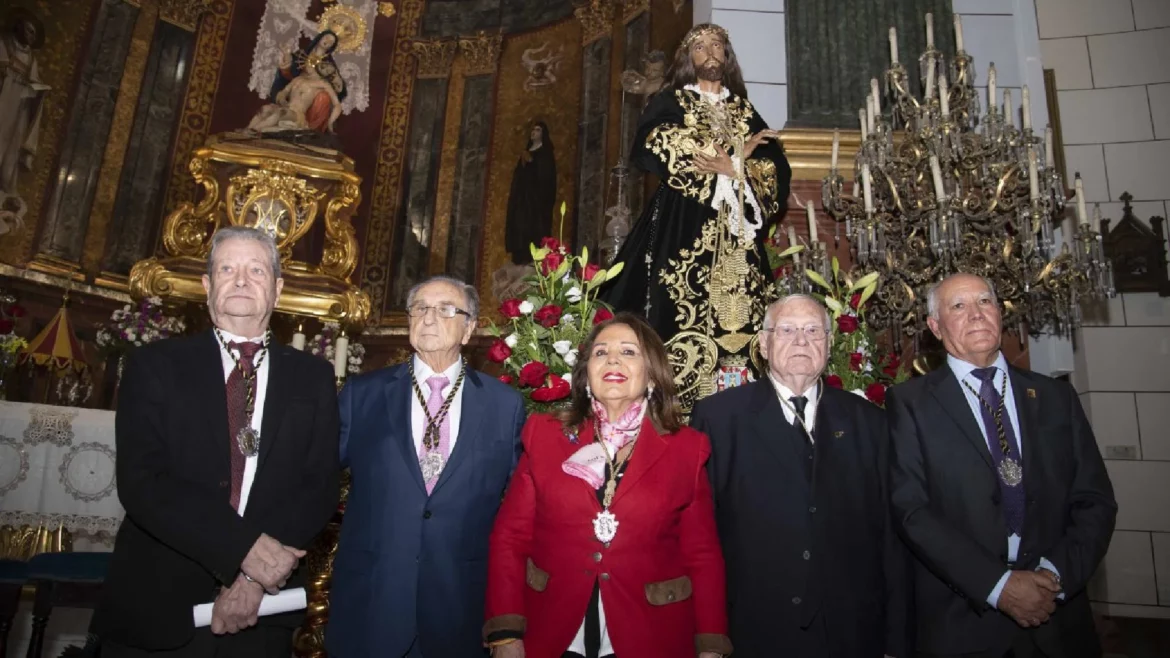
(266, 568)
(721, 164)
(1029, 597)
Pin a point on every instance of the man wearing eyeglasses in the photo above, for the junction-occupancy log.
(430, 445)
(799, 475)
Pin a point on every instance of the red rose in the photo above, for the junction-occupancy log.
(601, 315)
(548, 315)
(552, 244)
(550, 263)
(855, 361)
(590, 271)
(876, 393)
(499, 351)
(778, 272)
(892, 365)
(557, 389)
(847, 324)
(834, 381)
(5, 326)
(855, 301)
(507, 379)
(510, 308)
(533, 374)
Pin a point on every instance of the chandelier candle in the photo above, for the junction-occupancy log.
(1027, 109)
(992, 98)
(877, 96)
(1033, 178)
(943, 93)
(1049, 149)
(930, 31)
(1008, 115)
(836, 149)
(893, 45)
(958, 33)
(1082, 216)
(939, 191)
(812, 222)
(862, 115)
(866, 185)
(929, 80)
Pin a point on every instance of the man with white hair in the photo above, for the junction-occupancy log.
(431, 445)
(799, 475)
(1000, 492)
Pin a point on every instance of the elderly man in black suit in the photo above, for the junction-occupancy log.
(999, 490)
(799, 475)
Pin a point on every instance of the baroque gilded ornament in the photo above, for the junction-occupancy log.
(183, 13)
(482, 53)
(347, 23)
(275, 200)
(435, 57)
(596, 18)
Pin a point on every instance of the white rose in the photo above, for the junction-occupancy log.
(526, 307)
(567, 319)
(562, 347)
(573, 294)
(131, 335)
(511, 340)
(571, 358)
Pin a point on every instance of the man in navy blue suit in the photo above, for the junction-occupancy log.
(430, 445)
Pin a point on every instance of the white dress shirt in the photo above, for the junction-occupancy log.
(810, 410)
(258, 408)
(418, 417)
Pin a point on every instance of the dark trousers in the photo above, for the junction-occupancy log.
(1022, 647)
(255, 642)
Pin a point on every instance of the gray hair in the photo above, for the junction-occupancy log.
(244, 233)
(797, 297)
(932, 301)
(469, 293)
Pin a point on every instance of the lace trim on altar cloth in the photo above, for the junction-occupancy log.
(727, 194)
(75, 523)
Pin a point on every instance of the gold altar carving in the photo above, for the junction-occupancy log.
(482, 53)
(25, 541)
(277, 187)
(309, 640)
(596, 18)
(434, 57)
(183, 13)
(632, 9)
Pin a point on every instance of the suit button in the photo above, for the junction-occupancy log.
(605, 576)
(812, 510)
(223, 484)
(796, 600)
(427, 514)
(807, 555)
(597, 557)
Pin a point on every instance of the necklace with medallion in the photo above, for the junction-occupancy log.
(1009, 469)
(248, 438)
(432, 461)
(605, 525)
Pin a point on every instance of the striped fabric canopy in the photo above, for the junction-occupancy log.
(56, 347)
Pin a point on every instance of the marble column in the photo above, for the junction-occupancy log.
(637, 47)
(592, 174)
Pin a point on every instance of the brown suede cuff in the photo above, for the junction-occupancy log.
(713, 642)
(511, 623)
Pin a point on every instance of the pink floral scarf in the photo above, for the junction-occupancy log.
(588, 463)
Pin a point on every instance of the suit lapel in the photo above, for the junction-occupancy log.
(276, 398)
(398, 395)
(949, 393)
(471, 412)
(770, 422)
(206, 368)
(648, 450)
(1027, 411)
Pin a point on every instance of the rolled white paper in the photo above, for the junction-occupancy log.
(1033, 178)
(893, 45)
(791, 236)
(958, 34)
(812, 222)
(1049, 148)
(863, 117)
(944, 94)
(1008, 114)
(340, 356)
(298, 341)
(836, 147)
(1026, 109)
(940, 192)
(875, 91)
(929, 30)
(992, 97)
(286, 601)
(1082, 216)
(866, 185)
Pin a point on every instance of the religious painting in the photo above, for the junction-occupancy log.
(22, 94)
(533, 195)
(542, 64)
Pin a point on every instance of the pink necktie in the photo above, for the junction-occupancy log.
(434, 403)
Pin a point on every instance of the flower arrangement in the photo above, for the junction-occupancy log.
(131, 327)
(538, 342)
(322, 345)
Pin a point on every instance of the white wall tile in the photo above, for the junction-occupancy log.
(1160, 108)
(1107, 312)
(1070, 58)
(771, 101)
(1153, 413)
(1139, 168)
(1132, 58)
(1100, 116)
(1151, 13)
(759, 43)
(1126, 575)
(1115, 424)
(1147, 310)
(982, 7)
(1070, 18)
(1161, 541)
(1090, 162)
(1129, 359)
(993, 39)
(752, 5)
(1143, 497)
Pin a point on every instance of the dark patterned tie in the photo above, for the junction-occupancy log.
(237, 403)
(990, 401)
(799, 403)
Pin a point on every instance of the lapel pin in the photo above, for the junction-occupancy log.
(1032, 393)
(838, 434)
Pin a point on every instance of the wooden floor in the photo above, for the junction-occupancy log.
(1127, 637)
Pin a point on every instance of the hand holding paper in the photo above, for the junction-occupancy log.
(287, 601)
(269, 563)
(236, 607)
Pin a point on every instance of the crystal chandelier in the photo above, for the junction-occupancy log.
(946, 188)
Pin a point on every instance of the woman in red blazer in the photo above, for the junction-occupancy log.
(605, 544)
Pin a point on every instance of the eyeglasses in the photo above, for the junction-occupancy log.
(812, 332)
(445, 311)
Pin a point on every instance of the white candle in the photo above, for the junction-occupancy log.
(340, 356)
(893, 45)
(866, 185)
(836, 148)
(940, 192)
(944, 94)
(812, 221)
(1082, 217)
(877, 95)
(929, 31)
(298, 340)
(1033, 178)
(992, 97)
(863, 116)
(870, 114)
(1049, 148)
(930, 79)
(1026, 108)
(1008, 114)
(791, 236)
(855, 190)
(1097, 217)
(958, 34)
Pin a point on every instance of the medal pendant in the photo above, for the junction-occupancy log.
(605, 526)
(248, 441)
(431, 465)
(1010, 472)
